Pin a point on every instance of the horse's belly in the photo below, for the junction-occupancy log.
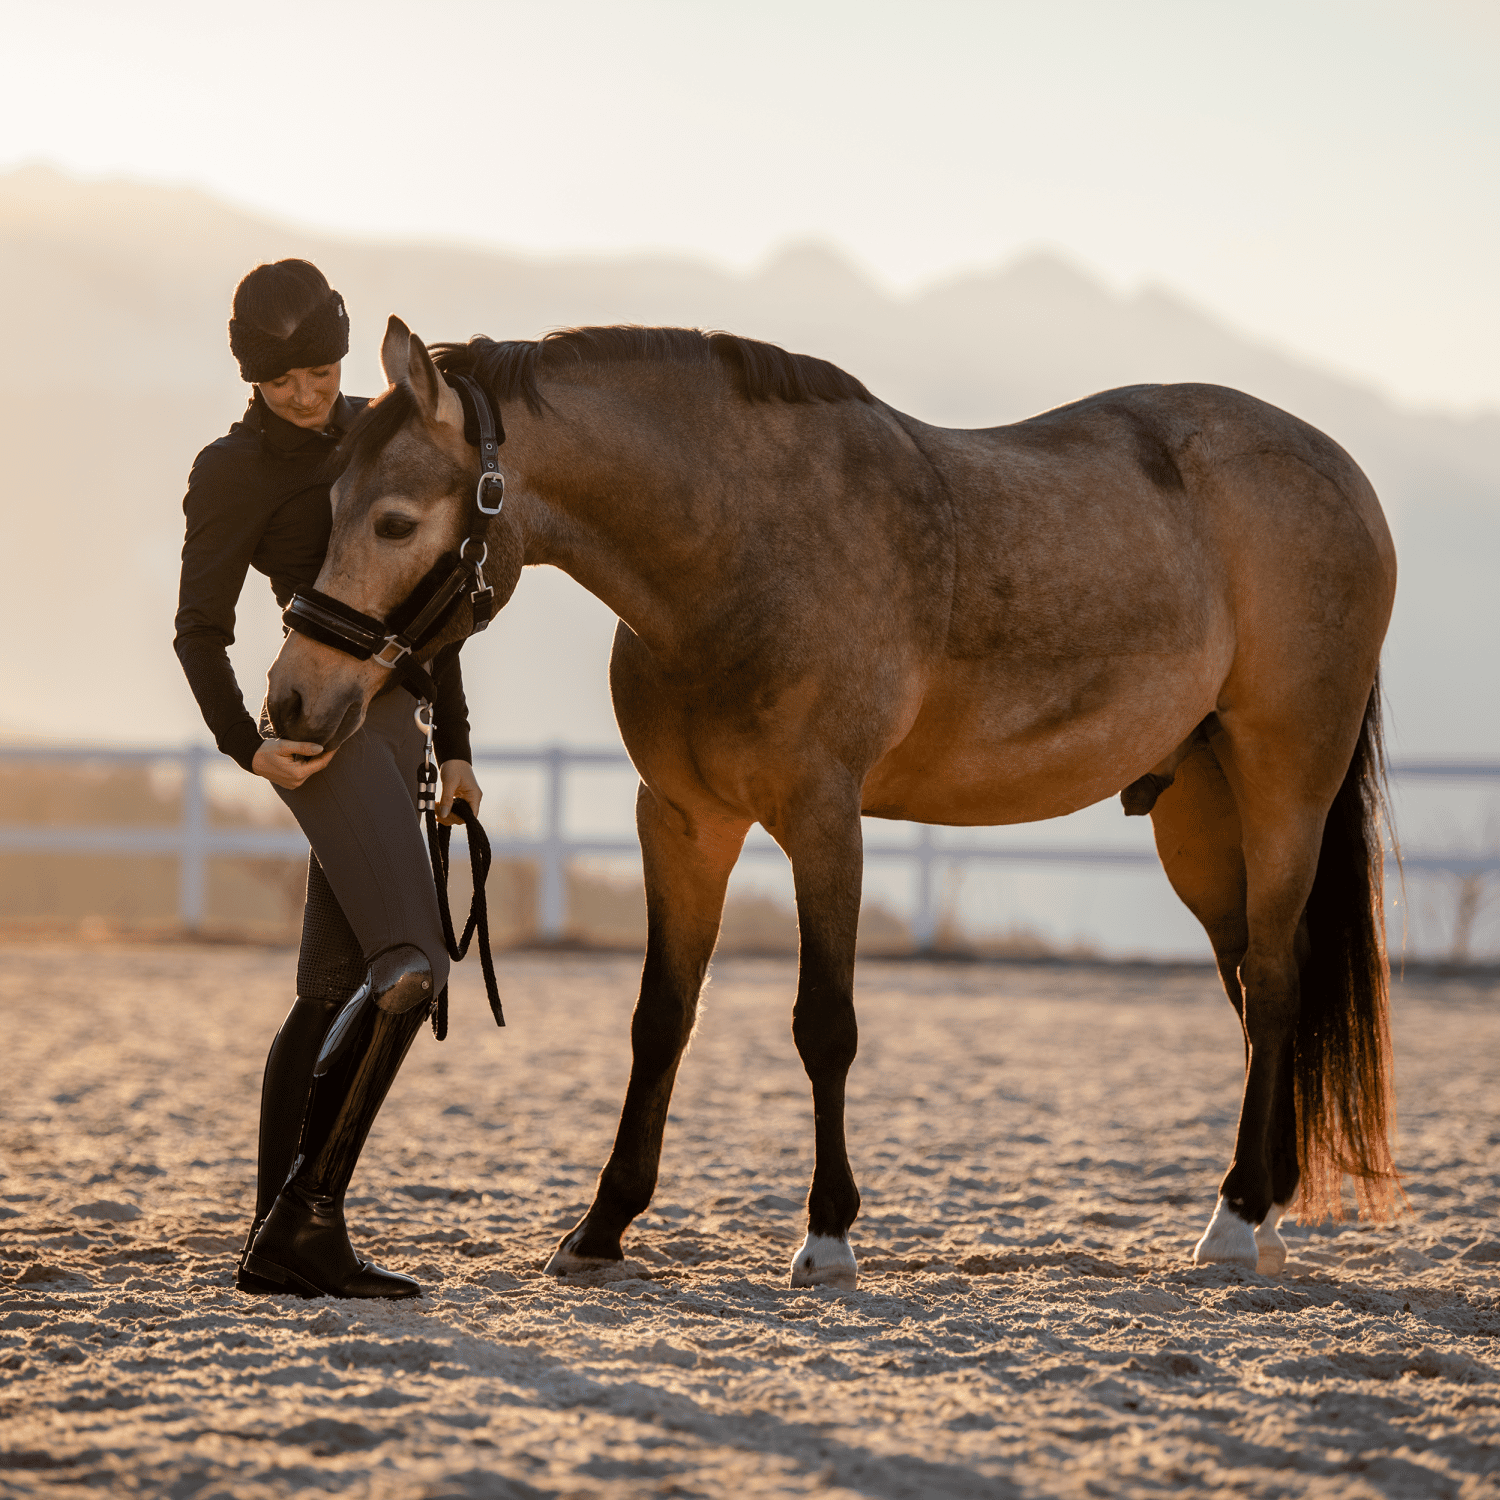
(1014, 741)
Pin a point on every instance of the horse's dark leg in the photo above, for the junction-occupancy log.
(1281, 1141)
(1280, 807)
(826, 851)
(687, 858)
(1198, 836)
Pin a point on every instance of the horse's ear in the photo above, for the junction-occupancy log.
(408, 363)
(395, 350)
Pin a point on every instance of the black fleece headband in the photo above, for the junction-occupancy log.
(321, 338)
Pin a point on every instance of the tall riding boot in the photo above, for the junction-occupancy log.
(303, 1247)
(331, 966)
(283, 1107)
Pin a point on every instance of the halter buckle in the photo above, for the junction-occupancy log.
(491, 478)
(379, 657)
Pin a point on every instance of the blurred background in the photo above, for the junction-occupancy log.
(979, 209)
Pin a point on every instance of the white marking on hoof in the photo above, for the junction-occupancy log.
(565, 1263)
(1228, 1241)
(825, 1261)
(1270, 1243)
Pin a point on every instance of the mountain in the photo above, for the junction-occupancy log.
(114, 298)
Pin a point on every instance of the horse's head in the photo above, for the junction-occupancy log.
(401, 512)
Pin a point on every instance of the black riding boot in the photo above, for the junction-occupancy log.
(331, 966)
(283, 1107)
(303, 1247)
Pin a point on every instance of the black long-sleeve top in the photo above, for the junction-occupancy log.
(255, 498)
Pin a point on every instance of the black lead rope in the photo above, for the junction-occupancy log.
(439, 836)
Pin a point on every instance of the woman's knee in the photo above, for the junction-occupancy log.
(437, 958)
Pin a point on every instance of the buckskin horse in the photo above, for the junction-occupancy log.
(829, 609)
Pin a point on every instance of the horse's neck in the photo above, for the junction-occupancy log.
(620, 501)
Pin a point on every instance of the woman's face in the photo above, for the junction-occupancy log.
(304, 397)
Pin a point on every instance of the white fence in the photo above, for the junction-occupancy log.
(194, 841)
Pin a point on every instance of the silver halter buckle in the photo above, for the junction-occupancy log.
(486, 481)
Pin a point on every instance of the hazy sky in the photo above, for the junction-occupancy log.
(1320, 173)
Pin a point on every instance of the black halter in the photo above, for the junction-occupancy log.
(397, 641)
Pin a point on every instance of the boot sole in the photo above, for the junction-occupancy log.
(246, 1281)
(283, 1280)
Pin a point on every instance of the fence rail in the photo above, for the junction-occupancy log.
(193, 841)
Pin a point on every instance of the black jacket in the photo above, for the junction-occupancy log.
(255, 499)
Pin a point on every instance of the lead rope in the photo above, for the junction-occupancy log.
(439, 836)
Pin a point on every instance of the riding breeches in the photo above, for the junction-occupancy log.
(360, 816)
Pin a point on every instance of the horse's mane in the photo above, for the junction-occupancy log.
(759, 372)
(512, 371)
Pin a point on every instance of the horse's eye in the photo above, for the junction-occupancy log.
(393, 528)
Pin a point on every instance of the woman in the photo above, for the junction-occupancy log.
(373, 958)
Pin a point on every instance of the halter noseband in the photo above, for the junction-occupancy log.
(397, 641)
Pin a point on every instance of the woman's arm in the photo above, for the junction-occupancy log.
(216, 554)
(450, 709)
(451, 735)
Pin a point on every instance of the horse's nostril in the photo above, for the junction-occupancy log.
(284, 710)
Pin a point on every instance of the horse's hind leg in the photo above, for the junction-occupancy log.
(1286, 762)
(687, 863)
(1198, 836)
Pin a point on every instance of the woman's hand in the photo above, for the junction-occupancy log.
(288, 763)
(458, 781)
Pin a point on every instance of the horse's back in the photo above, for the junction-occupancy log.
(1116, 559)
(1072, 523)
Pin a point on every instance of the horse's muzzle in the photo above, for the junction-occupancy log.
(328, 725)
(312, 705)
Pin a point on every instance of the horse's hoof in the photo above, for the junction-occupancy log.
(567, 1262)
(1269, 1243)
(825, 1261)
(1228, 1241)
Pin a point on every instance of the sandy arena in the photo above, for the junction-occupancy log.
(1038, 1149)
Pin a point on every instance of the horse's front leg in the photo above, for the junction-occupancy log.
(687, 859)
(827, 853)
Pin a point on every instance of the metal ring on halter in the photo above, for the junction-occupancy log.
(485, 480)
(480, 586)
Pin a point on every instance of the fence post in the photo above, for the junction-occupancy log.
(924, 918)
(552, 897)
(192, 860)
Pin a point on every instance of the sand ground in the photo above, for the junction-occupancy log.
(1038, 1148)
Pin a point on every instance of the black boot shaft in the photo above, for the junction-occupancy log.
(304, 1246)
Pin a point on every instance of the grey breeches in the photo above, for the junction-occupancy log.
(369, 881)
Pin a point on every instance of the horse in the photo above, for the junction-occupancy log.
(828, 610)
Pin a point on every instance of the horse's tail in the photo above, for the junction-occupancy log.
(1345, 1103)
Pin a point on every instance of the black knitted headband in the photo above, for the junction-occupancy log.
(321, 338)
